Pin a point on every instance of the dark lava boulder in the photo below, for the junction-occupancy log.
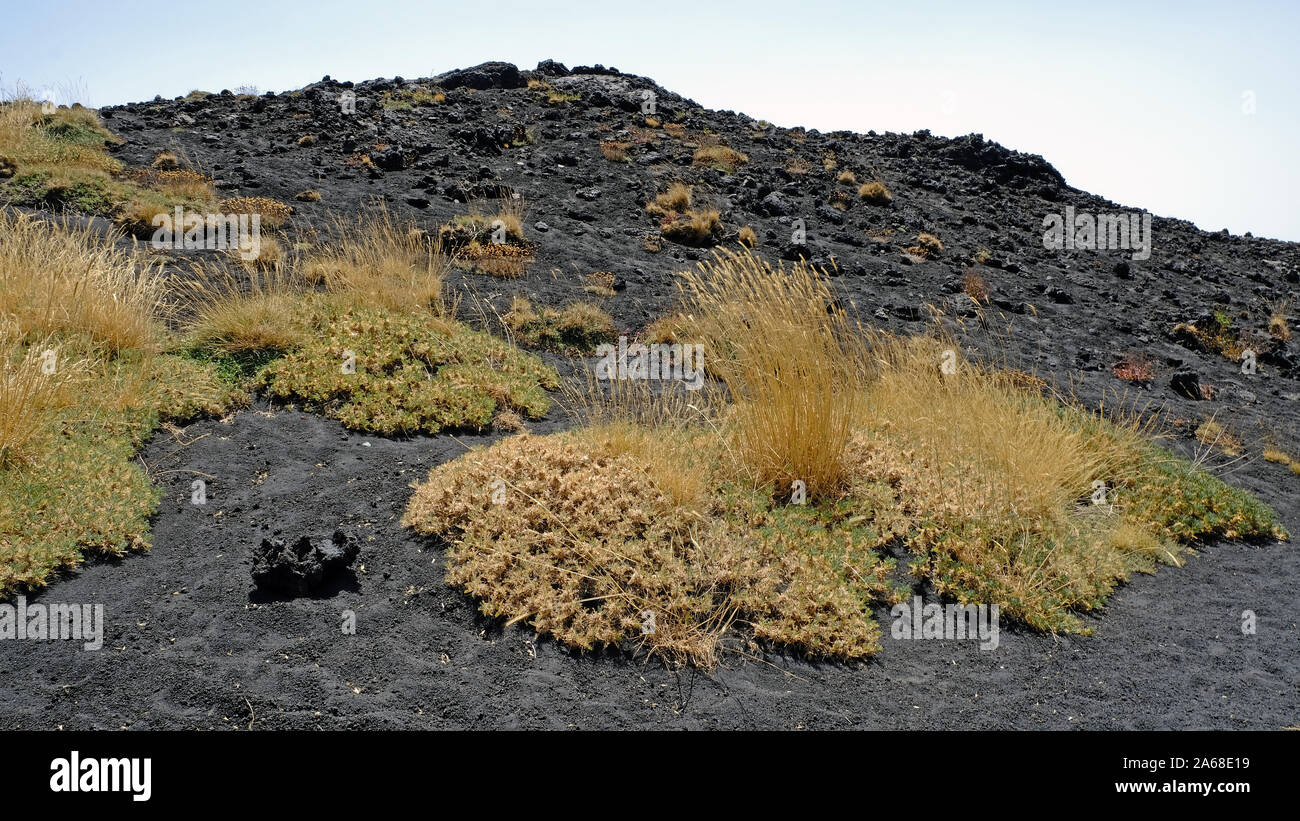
(484, 76)
(389, 159)
(1002, 164)
(298, 567)
(1187, 384)
(550, 68)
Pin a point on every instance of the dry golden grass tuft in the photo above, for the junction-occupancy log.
(1277, 325)
(360, 159)
(379, 260)
(989, 447)
(274, 213)
(510, 214)
(720, 157)
(672, 202)
(600, 283)
(56, 278)
(261, 254)
(798, 166)
(875, 193)
(614, 150)
(927, 246)
(848, 177)
(974, 286)
(747, 237)
(241, 318)
(307, 196)
(27, 394)
(502, 226)
(1214, 435)
(165, 161)
(179, 184)
(576, 328)
(509, 421)
(1281, 457)
(670, 329)
(500, 260)
(681, 223)
(790, 362)
(696, 227)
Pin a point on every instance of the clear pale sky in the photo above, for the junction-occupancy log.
(1143, 103)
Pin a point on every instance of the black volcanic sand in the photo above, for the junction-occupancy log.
(190, 643)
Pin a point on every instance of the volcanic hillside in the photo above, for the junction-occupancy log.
(579, 152)
(564, 206)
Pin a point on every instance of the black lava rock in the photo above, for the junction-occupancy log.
(1187, 384)
(299, 567)
(483, 77)
(550, 68)
(776, 205)
(390, 159)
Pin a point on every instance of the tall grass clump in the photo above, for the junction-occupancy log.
(379, 260)
(246, 316)
(60, 278)
(790, 360)
(1014, 495)
(995, 448)
(28, 395)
